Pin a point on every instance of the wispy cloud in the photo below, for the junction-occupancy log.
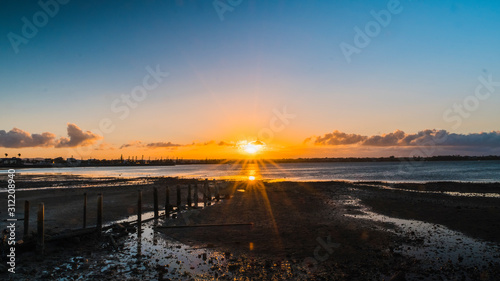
(105, 146)
(162, 144)
(169, 144)
(132, 144)
(17, 138)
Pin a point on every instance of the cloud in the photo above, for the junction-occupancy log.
(132, 143)
(338, 138)
(212, 142)
(390, 139)
(169, 144)
(17, 138)
(162, 144)
(77, 137)
(105, 146)
(422, 138)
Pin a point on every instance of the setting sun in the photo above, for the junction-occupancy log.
(251, 147)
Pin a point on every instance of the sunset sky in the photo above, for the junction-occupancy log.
(197, 79)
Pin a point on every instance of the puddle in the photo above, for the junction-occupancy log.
(451, 193)
(434, 244)
(172, 259)
(155, 256)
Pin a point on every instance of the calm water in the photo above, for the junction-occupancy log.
(471, 171)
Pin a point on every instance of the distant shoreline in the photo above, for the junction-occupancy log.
(139, 163)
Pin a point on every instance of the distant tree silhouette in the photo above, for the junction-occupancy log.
(19, 154)
(6, 154)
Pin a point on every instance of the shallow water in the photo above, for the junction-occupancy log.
(451, 193)
(433, 244)
(469, 171)
(154, 255)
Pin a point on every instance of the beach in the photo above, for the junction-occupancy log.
(267, 230)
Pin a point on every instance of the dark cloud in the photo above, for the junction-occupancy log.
(77, 137)
(338, 138)
(390, 139)
(17, 138)
(400, 138)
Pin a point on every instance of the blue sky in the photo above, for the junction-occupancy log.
(227, 76)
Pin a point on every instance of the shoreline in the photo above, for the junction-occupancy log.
(418, 186)
(290, 221)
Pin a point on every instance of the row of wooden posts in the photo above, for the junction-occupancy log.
(207, 198)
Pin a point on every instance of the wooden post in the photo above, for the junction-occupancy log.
(209, 194)
(40, 230)
(179, 201)
(26, 217)
(217, 191)
(139, 213)
(84, 210)
(195, 195)
(205, 192)
(167, 201)
(189, 196)
(155, 195)
(99, 214)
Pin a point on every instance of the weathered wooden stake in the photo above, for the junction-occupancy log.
(155, 195)
(40, 230)
(195, 195)
(26, 217)
(139, 214)
(217, 192)
(209, 194)
(99, 214)
(84, 210)
(189, 196)
(167, 201)
(179, 201)
(205, 192)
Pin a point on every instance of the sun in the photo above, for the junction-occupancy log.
(252, 147)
